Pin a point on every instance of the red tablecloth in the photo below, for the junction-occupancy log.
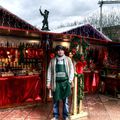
(19, 89)
(91, 81)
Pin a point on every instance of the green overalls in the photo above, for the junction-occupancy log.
(63, 88)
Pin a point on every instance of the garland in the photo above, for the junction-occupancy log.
(80, 86)
(75, 47)
(85, 46)
(75, 42)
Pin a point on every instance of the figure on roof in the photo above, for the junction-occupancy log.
(45, 20)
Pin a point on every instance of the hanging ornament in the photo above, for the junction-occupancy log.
(79, 67)
(52, 55)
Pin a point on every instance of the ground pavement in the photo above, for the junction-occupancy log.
(99, 107)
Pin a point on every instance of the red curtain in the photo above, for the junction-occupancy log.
(91, 80)
(19, 89)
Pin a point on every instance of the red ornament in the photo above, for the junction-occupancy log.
(75, 43)
(79, 68)
(87, 49)
(52, 55)
(84, 63)
(73, 51)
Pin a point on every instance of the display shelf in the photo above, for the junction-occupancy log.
(22, 57)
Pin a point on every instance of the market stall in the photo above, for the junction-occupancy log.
(99, 50)
(110, 74)
(20, 71)
(21, 61)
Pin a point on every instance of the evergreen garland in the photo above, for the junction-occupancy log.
(75, 41)
(80, 86)
(85, 45)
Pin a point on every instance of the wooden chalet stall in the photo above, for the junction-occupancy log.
(105, 55)
(100, 49)
(21, 61)
(111, 70)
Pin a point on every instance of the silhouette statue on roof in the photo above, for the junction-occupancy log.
(45, 20)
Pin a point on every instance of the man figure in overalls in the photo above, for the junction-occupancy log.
(59, 78)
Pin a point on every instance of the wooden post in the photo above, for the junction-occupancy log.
(75, 97)
(80, 113)
(80, 102)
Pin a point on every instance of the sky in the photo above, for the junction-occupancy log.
(60, 11)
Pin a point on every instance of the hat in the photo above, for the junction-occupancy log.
(59, 47)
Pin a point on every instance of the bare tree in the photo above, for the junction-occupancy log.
(111, 18)
(110, 23)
